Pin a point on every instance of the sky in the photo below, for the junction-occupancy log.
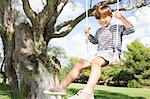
(74, 43)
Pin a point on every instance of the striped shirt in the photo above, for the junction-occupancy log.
(107, 38)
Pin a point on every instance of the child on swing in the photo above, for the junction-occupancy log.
(105, 37)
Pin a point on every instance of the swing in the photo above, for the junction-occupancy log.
(116, 58)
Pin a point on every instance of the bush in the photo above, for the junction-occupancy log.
(134, 84)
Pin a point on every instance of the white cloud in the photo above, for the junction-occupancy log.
(74, 46)
(36, 5)
(145, 40)
(71, 10)
(141, 24)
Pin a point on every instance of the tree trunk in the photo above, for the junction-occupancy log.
(26, 64)
(34, 70)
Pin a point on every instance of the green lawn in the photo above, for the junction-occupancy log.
(4, 91)
(106, 92)
(101, 92)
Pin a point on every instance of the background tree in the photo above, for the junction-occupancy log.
(26, 62)
(56, 51)
(138, 61)
(135, 70)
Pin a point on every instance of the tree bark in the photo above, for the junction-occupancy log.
(32, 67)
(7, 33)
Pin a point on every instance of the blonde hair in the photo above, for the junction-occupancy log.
(103, 11)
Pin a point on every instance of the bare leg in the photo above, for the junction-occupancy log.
(74, 73)
(97, 63)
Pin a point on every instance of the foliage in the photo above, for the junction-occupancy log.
(58, 52)
(109, 73)
(135, 70)
(138, 60)
(83, 78)
(134, 84)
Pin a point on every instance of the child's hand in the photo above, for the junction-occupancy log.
(86, 30)
(118, 14)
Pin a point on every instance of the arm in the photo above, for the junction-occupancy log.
(127, 24)
(127, 27)
(92, 39)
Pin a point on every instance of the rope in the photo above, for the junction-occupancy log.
(116, 53)
(117, 23)
(86, 22)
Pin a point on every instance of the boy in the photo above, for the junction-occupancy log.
(106, 39)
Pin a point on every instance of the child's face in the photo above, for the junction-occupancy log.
(104, 22)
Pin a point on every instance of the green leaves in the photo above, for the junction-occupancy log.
(136, 68)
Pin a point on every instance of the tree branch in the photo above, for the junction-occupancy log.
(69, 25)
(61, 5)
(52, 11)
(28, 10)
(1, 27)
(49, 11)
(137, 6)
(1, 30)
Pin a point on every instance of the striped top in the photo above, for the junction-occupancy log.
(107, 38)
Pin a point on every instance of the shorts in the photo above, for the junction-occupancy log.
(105, 54)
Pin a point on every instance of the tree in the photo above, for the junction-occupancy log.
(135, 69)
(56, 51)
(25, 59)
(137, 61)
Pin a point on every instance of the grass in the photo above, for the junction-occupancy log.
(4, 91)
(107, 92)
(100, 92)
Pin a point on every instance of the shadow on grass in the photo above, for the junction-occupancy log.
(99, 94)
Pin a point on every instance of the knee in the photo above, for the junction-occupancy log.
(81, 64)
(78, 66)
(98, 61)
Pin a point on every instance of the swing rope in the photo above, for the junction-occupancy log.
(86, 22)
(116, 58)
